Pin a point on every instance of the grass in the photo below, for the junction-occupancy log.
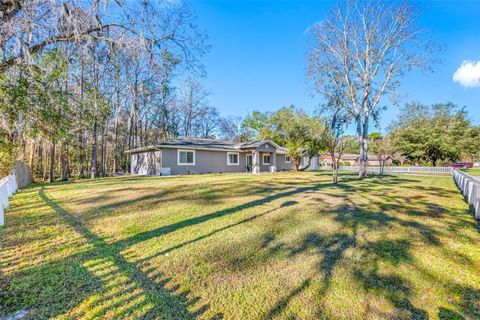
(238, 246)
(473, 171)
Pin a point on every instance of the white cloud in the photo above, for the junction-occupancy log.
(468, 74)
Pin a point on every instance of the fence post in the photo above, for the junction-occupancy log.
(471, 193)
(14, 182)
(2, 218)
(476, 205)
(467, 186)
(3, 202)
(4, 194)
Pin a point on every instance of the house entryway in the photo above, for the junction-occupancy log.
(249, 162)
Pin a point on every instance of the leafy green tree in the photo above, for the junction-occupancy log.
(7, 155)
(471, 144)
(51, 104)
(292, 128)
(430, 134)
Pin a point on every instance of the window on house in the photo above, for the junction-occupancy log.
(186, 157)
(232, 158)
(266, 159)
(287, 159)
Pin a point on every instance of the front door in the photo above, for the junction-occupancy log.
(249, 162)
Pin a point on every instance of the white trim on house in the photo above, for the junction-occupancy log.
(185, 164)
(272, 143)
(232, 163)
(263, 159)
(289, 159)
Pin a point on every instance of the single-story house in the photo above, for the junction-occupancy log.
(193, 155)
(354, 159)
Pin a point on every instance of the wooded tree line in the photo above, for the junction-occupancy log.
(83, 81)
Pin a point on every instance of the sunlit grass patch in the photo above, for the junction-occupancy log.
(473, 171)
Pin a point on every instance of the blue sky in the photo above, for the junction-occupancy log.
(257, 60)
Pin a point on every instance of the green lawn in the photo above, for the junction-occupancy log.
(473, 171)
(239, 246)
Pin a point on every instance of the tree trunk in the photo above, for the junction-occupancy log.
(104, 148)
(24, 149)
(308, 164)
(45, 164)
(64, 163)
(51, 177)
(39, 162)
(117, 115)
(94, 152)
(32, 154)
(335, 162)
(296, 163)
(81, 173)
(363, 134)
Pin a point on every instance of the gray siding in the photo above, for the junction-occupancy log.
(205, 162)
(282, 165)
(266, 147)
(146, 163)
(266, 167)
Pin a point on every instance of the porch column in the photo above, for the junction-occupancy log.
(255, 161)
(273, 161)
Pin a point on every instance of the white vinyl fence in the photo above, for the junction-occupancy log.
(470, 187)
(8, 186)
(394, 169)
(21, 177)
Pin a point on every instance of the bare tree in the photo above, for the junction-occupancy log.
(194, 100)
(116, 89)
(361, 50)
(335, 127)
(231, 129)
(381, 146)
(207, 123)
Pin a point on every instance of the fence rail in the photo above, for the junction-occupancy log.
(395, 169)
(21, 177)
(8, 186)
(469, 185)
(470, 188)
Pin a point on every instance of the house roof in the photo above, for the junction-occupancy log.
(254, 144)
(208, 144)
(200, 143)
(258, 143)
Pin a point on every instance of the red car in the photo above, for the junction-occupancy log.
(463, 165)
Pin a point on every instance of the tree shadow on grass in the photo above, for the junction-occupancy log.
(331, 250)
(159, 299)
(214, 232)
(200, 195)
(156, 298)
(218, 214)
